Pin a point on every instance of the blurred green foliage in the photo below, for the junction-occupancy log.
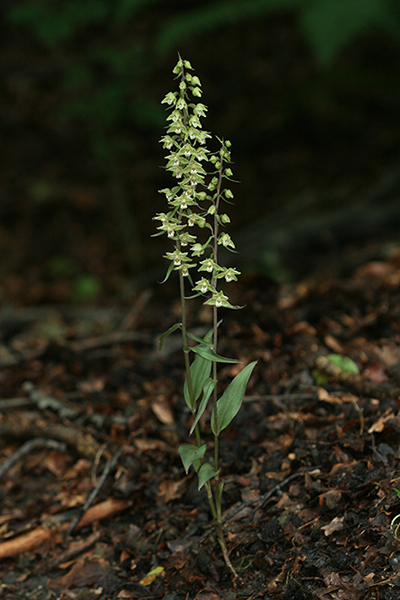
(105, 60)
(55, 21)
(87, 288)
(101, 76)
(327, 25)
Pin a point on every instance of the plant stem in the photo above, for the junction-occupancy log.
(190, 387)
(218, 486)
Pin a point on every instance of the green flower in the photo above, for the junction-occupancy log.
(185, 269)
(226, 241)
(204, 286)
(219, 300)
(186, 238)
(209, 265)
(229, 274)
(167, 142)
(187, 150)
(175, 116)
(197, 249)
(170, 227)
(194, 122)
(170, 98)
(177, 257)
(200, 110)
(200, 154)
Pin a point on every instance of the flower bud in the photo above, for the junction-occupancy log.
(178, 67)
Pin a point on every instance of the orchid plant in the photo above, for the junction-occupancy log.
(194, 223)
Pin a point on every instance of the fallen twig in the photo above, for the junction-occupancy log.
(36, 537)
(27, 448)
(110, 465)
(25, 426)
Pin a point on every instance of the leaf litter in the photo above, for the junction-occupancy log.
(311, 462)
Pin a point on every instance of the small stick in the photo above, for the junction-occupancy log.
(280, 397)
(12, 403)
(27, 448)
(110, 465)
(34, 538)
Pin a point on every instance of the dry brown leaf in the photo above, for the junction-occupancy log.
(333, 344)
(170, 490)
(331, 498)
(161, 408)
(326, 397)
(379, 425)
(335, 525)
(151, 444)
(83, 573)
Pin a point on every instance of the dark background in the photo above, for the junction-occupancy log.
(306, 90)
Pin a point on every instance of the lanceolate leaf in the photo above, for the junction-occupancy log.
(200, 370)
(209, 354)
(205, 473)
(231, 400)
(207, 391)
(171, 266)
(207, 341)
(190, 453)
(167, 333)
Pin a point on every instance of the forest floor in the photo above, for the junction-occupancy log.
(95, 503)
(310, 462)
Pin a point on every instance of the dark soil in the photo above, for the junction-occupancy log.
(310, 462)
(93, 493)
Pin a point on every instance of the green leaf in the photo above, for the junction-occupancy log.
(210, 355)
(200, 370)
(203, 341)
(231, 400)
(189, 453)
(207, 391)
(167, 333)
(345, 364)
(170, 268)
(397, 492)
(205, 473)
